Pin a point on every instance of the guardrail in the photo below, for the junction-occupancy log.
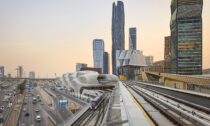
(71, 121)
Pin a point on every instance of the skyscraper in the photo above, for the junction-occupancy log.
(132, 38)
(186, 36)
(106, 63)
(167, 47)
(118, 35)
(20, 72)
(1, 71)
(98, 54)
(167, 54)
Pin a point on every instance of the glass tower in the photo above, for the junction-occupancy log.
(98, 54)
(132, 38)
(118, 35)
(186, 37)
(106, 63)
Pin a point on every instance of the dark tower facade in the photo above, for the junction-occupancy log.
(118, 35)
(106, 63)
(186, 37)
(132, 38)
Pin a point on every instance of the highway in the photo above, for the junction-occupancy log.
(63, 112)
(68, 95)
(32, 109)
(55, 113)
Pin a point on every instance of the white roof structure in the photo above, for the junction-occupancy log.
(130, 57)
(81, 79)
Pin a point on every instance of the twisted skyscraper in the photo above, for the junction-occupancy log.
(118, 35)
(186, 36)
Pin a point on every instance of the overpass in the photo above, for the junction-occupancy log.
(25, 78)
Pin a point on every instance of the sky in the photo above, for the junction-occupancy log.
(51, 36)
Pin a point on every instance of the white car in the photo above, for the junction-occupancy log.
(38, 118)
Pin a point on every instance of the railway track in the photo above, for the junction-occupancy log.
(93, 117)
(181, 113)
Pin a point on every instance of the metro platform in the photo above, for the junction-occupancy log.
(128, 110)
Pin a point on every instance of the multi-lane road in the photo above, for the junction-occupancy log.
(30, 110)
(40, 108)
(50, 114)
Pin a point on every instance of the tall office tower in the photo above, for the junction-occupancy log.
(98, 54)
(1, 71)
(118, 35)
(79, 66)
(20, 72)
(106, 63)
(32, 75)
(167, 54)
(167, 47)
(186, 36)
(132, 38)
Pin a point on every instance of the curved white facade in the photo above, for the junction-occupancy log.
(82, 79)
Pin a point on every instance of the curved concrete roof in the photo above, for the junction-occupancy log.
(81, 79)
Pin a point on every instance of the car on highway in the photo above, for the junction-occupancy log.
(27, 114)
(2, 107)
(1, 119)
(34, 100)
(37, 110)
(38, 118)
(24, 109)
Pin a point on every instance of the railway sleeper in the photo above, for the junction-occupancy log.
(179, 112)
(174, 117)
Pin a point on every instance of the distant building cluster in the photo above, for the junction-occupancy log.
(182, 52)
(19, 73)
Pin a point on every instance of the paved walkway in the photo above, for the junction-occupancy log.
(124, 110)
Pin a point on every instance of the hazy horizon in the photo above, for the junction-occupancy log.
(50, 36)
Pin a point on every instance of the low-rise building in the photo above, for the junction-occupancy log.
(129, 63)
(79, 66)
